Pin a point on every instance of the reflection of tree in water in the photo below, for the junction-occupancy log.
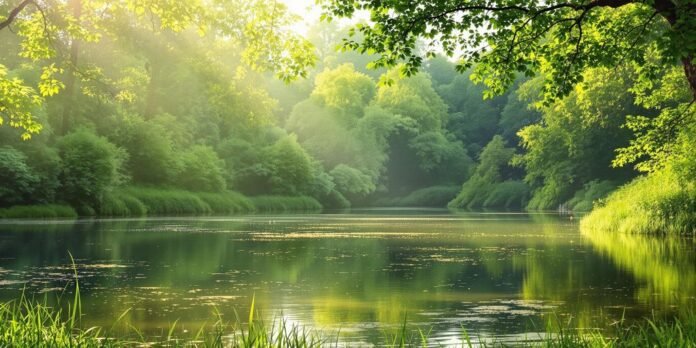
(352, 272)
(560, 268)
(663, 266)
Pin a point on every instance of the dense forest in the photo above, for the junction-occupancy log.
(555, 140)
(148, 112)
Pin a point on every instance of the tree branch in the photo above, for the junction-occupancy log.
(15, 12)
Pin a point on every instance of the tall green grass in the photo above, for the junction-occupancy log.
(29, 323)
(477, 193)
(168, 201)
(655, 204)
(280, 204)
(159, 201)
(48, 211)
(227, 202)
(121, 204)
(143, 201)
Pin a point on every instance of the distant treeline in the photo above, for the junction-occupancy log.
(180, 125)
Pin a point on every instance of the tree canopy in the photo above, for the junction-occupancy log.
(50, 34)
(558, 38)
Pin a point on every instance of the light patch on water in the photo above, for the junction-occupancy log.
(50, 290)
(103, 266)
(10, 282)
(322, 235)
(217, 298)
(491, 309)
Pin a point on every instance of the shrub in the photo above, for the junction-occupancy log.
(474, 192)
(291, 167)
(550, 196)
(48, 211)
(121, 204)
(593, 191)
(334, 200)
(285, 204)
(17, 178)
(201, 170)
(434, 196)
(351, 181)
(168, 201)
(90, 167)
(151, 157)
(227, 202)
(46, 165)
(511, 194)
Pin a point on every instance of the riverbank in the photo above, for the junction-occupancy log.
(659, 204)
(145, 201)
(27, 323)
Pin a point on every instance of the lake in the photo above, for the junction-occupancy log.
(498, 275)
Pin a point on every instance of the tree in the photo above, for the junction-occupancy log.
(345, 89)
(575, 142)
(492, 183)
(560, 38)
(46, 28)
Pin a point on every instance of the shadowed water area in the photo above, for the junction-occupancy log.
(500, 276)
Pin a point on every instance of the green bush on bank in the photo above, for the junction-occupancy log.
(47, 211)
(658, 203)
(143, 201)
(227, 202)
(510, 194)
(434, 196)
(280, 204)
(169, 202)
(584, 200)
(119, 203)
(476, 193)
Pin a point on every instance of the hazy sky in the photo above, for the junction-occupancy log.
(310, 13)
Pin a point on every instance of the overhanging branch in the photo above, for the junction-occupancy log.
(15, 12)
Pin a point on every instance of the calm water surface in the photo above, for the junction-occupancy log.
(498, 275)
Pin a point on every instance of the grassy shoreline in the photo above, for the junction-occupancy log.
(145, 201)
(29, 323)
(657, 204)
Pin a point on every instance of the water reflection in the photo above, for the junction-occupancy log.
(495, 274)
(664, 267)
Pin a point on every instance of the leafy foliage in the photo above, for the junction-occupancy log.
(562, 152)
(490, 185)
(201, 170)
(559, 39)
(260, 28)
(18, 180)
(91, 166)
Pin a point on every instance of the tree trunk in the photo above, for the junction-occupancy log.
(690, 71)
(70, 78)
